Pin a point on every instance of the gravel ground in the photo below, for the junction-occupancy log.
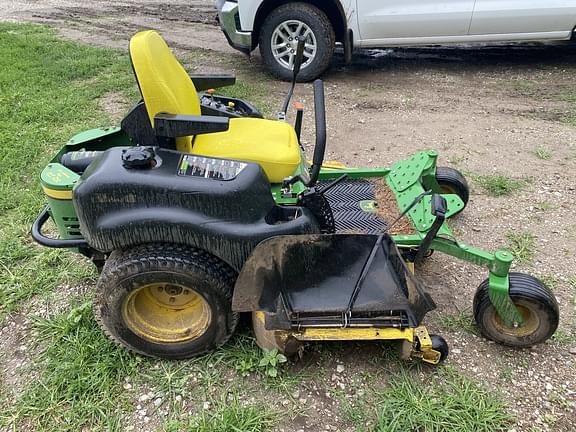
(487, 110)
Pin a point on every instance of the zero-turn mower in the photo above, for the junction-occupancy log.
(197, 209)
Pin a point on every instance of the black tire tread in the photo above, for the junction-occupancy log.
(454, 178)
(122, 263)
(290, 10)
(440, 344)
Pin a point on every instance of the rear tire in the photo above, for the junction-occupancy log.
(165, 300)
(451, 181)
(320, 40)
(535, 302)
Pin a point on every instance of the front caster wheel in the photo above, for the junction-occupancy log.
(451, 181)
(439, 344)
(165, 300)
(535, 302)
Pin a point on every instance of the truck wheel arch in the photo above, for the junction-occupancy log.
(332, 8)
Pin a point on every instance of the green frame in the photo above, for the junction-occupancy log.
(417, 175)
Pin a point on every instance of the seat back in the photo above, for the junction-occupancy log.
(164, 84)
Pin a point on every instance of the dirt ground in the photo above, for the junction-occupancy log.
(487, 110)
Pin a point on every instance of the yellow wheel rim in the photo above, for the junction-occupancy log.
(529, 326)
(166, 313)
(445, 189)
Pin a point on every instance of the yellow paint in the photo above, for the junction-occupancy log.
(58, 194)
(166, 313)
(167, 88)
(369, 333)
(333, 165)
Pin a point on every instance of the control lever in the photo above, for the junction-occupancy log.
(320, 147)
(298, 59)
(439, 209)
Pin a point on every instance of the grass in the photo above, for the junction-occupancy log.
(522, 245)
(230, 414)
(79, 381)
(461, 320)
(543, 153)
(498, 185)
(543, 206)
(447, 401)
(550, 281)
(49, 90)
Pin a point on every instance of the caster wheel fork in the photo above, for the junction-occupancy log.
(431, 349)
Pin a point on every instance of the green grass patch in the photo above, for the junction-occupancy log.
(550, 281)
(81, 372)
(231, 414)
(498, 185)
(542, 152)
(522, 245)
(49, 90)
(543, 206)
(447, 401)
(461, 320)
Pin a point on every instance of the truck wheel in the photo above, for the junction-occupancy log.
(165, 300)
(279, 37)
(535, 302)
(451, 181)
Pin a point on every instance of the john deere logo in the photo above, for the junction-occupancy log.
(369, 206)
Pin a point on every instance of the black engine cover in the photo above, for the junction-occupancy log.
(224, 207)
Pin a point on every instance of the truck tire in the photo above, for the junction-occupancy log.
(279, 38)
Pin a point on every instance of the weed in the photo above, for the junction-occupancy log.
(498, 185)
(542, 152)
(522, 245)
(270, 362)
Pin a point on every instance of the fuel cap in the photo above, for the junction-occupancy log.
(138, 158)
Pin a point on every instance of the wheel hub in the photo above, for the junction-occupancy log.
(285, 41)
(166, 313)
(530, 324)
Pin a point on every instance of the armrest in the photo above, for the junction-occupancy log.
(205, 82)
(174, 126)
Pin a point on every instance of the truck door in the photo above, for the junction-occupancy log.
(522, 16)
(386, 19)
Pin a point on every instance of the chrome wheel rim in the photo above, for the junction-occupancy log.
(285, 40)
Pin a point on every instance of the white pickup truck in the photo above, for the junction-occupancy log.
(276, 25)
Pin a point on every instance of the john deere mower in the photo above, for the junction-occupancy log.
(197, 209)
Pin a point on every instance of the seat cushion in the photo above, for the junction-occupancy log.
(272, 144)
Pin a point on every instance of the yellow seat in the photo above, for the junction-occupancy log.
(167, 88)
